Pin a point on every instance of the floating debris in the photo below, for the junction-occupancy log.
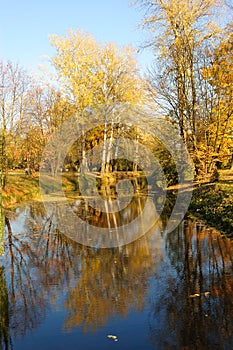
(198, 295)
(114, 337)
(194, 295)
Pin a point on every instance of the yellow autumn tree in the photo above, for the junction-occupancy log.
(14, 86)
(96, 76)
(180, 32)
(95, 73)
(220, 77)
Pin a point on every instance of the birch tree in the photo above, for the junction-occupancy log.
(96, 76)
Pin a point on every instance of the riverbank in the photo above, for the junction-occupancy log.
(213, 203)
(20, 188)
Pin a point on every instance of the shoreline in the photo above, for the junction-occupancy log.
(212, 203)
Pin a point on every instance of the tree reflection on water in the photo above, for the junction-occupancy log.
(195, 308)
(41, 263)
(187, 275)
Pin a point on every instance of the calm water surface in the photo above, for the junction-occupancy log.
(163, 291)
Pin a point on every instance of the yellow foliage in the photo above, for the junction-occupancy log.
(95, 73)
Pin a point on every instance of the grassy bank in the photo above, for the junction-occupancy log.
(20, 187)
(213, 203)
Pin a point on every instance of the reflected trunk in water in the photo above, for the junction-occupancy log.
(197, 304)
(183, 280)
(5, 340)
(1, 232)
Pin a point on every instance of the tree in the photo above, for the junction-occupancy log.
(219, 76)
(181, 31)
(96, 76)
(14, 83)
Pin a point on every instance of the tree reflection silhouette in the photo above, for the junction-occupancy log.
(41, 264)
(190, 282)
(111, 282)
(196, 307)
(1, 233)
(5, 339)
(24, 296)
(105, 281)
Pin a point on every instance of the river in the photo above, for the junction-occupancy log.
(160, 291)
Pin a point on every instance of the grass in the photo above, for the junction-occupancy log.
(20, 187)
(213, 202)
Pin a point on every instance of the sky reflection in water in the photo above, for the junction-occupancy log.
(163, 291)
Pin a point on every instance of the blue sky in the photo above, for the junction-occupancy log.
(25, 26)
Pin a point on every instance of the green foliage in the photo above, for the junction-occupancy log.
(168, 166)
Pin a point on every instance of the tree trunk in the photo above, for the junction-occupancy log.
(108, 158)
(1, 231)
(84, 164)
(103, 167)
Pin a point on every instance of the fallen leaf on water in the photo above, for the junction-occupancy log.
(194, 295)
(206, 293)
(198, 295)
(112, 336)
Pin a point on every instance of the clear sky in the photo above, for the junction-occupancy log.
(26, 24)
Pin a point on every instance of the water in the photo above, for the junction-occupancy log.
(162, 291)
